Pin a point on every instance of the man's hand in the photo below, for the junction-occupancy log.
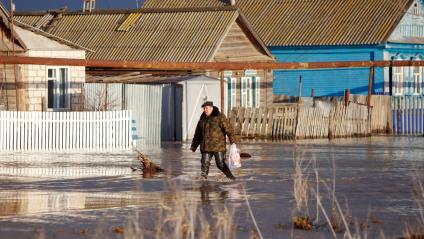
(193, 149)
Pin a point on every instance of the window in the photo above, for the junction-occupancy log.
(416, 9)
(398, 80)
(231, 92)
(250, 91)
(417, 84)
(256, 92)
(58, 87)
(244, 92)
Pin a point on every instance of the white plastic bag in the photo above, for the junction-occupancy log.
(234, 157)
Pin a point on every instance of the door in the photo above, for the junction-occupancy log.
(172, 96)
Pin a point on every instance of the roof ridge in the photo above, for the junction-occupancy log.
(124, 11)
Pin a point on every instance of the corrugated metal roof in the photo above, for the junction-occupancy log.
(43, 21)
(185, 3)
(312, 23)
(182, 35)
(131, 19)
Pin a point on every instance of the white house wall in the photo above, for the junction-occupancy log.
(36, 78)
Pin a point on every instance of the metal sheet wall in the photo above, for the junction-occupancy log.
(95, 96)
(145, 102)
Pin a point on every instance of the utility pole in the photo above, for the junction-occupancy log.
(12, 36)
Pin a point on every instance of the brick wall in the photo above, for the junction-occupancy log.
(34, 79)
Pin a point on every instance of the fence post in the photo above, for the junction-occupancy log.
(370, 88)
(347, 97)
(300, 88)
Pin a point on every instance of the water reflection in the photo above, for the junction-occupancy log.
(211, 191)
(30, 202)
(64, 172)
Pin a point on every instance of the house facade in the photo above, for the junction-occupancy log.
(38, 87)
(169, 35)
(334, 30)
(189, 36)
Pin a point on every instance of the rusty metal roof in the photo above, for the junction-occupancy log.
(181, 35)
(312, 22)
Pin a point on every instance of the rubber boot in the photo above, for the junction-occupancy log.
(206, 162)
(222, 165)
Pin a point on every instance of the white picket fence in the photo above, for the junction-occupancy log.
(55, 131)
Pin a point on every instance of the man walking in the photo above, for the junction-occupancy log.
(210, 134)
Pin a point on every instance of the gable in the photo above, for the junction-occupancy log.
(35, 41)
(236, 46)
(411, 28)
(6, 42)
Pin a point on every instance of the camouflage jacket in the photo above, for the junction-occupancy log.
(211, 131)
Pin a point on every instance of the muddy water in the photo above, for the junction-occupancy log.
(86, 195)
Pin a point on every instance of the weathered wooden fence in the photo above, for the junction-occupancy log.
(54, 131)
(381, 116)
(313, 122)
(408, 115)
(298, 121)
(349, 121)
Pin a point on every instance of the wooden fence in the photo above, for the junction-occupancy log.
(408, 115)
(54, 131)
(298, 121)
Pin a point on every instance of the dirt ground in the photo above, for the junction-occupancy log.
(92, 195)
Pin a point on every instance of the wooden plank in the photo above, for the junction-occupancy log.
(260, 124)
(3, 130)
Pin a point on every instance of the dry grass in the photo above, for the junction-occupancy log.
(181, 217)
(338, 220)
(177, 216)
(301, 185)
(417, 230)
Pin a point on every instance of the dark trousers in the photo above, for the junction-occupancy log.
(220, 163)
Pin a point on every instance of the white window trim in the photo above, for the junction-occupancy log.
(232, 95)
(250, 91)
(416, 8)
(257, 91)
(417, 83)
(233, 91)
(57, 87)
(398, 80)
(243, 92)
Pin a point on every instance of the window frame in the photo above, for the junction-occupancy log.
(244, 91)
(256, 91)
(416, 9)
(417, 83)
(61, 96)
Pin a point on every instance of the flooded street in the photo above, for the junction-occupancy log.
(92, 195)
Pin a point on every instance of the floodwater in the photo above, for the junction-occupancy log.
(89, 195)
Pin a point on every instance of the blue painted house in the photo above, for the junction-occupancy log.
(335, 30)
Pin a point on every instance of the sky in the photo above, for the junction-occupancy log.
(39, 5)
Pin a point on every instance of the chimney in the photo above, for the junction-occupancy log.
(232, 2)
(89, 5)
